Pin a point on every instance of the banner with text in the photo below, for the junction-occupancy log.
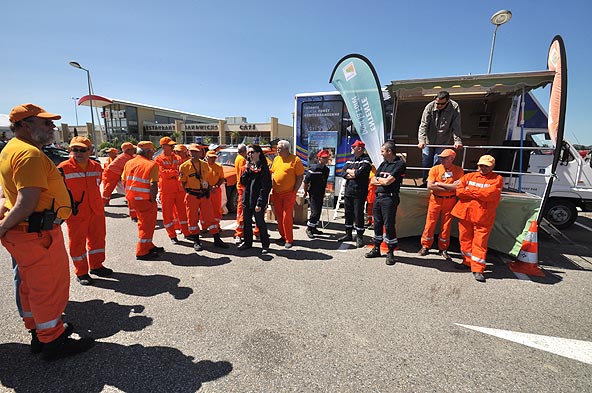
(357, 82)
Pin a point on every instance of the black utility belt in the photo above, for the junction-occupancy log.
(198, 192)
(43, 221)
(387, 194)
(444, 197)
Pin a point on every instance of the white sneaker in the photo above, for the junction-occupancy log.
(288, 245)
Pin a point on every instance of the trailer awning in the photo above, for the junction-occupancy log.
(508, 84)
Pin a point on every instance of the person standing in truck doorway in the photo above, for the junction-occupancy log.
(440, 125)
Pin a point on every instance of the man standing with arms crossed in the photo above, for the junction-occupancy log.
(86, 225)
(387, 180)
(356, 173)
(215, 179)
(442, 182)
(172, 195)
(140, 175)
(240, 163)
(287, 175)
(440, 125)
(479, 193)
(35, 201)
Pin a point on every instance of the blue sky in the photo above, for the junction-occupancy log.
(249, 58)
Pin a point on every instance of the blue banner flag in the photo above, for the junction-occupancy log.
(357, 82)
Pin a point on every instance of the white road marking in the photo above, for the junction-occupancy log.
(573, 349)
(583, 226)
(229, 226)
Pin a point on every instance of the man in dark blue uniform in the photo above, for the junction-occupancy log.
(315, 183)
(388, 178)
(356, 172)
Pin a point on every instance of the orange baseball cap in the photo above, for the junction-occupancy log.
(111, 150)
(486, 160)
(81, 141)
(447, 153)
(146, 145)
(195, 147)
(127, 145)
(211, 153)
(165, 140)
(180, 147)
(23, 111)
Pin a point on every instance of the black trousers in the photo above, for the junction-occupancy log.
(248, 214)
(316, 208)
(385, 215)
(354, 213)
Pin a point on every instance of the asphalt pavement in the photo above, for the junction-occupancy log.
(318, 317)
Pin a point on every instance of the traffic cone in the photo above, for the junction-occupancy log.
(527, 261)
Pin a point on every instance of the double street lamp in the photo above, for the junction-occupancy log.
(497, 19)
(92, 117)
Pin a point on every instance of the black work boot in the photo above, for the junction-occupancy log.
(374, 253)
(197, 243)
(360, 240)
(390, 257)
(218, 241)
(63, 346)
(37, 346)
(310, 233)
(347, 237)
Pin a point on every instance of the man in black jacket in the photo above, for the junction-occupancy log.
(356, 172)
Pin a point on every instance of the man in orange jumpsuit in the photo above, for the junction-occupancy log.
(287, 176)
(112, 174)
(140, 175)
(442, 181)
(111, 155)
(172, 194)
(86, 225)
(193, 177)
(33, 202)
(240, 163)
(479, 194)
(215, 179)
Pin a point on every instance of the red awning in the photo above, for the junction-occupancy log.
(97, 101)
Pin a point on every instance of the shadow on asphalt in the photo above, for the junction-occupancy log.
(137, 285)
(133, 368)
(116, 215)
(97, 319)
(193, 258)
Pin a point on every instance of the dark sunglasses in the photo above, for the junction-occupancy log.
(46, 122)
(78, 150)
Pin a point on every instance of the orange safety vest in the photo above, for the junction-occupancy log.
(137, 178)
(84, 185)
(478, 197)
(168, 171)
(118, 163)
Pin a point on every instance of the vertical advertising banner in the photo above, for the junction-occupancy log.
(557, 61)
(357, 82)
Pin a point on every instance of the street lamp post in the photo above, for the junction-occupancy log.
(92, 116)
(497, 19)
(75, 99)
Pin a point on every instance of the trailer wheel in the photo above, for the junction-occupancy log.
(232, 196)
(561, 213)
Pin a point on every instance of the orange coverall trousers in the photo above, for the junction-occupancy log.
(283, 206)
(473, 244)
(173, 203)
(87, 242)
(146, 211)
(44, 273)
(438, 207)
(197, 207)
